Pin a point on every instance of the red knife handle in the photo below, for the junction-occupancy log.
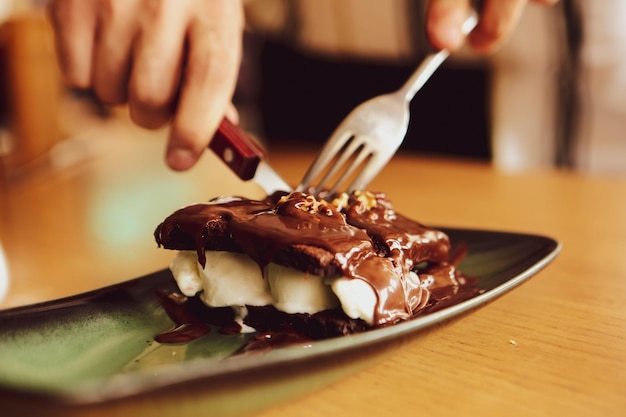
(233, 146)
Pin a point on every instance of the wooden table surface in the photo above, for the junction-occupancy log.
(554, 346)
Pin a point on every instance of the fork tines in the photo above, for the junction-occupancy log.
(339, 168)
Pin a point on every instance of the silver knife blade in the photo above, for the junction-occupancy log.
(269, 179)
(245, 158)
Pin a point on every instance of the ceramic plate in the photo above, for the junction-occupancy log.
(99, 346)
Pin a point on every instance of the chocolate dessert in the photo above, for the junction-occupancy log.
(317, 267)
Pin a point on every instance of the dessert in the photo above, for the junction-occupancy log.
(321, 267)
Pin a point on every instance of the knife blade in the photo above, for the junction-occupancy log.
(245, 158)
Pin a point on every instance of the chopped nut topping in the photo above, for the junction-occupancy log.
(367, 198)
(340, 201)
(308, 203)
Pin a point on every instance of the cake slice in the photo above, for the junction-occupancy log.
(324, 266)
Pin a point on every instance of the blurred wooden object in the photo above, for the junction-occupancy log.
(31, 88)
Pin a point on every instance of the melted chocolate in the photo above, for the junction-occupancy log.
(188, 326)
(362, 239)
(372, 243)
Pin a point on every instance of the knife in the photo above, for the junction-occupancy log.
(245, 158)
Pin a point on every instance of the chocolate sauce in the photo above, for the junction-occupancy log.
(364, 236)
(188, 326)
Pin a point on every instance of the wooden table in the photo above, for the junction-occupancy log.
(554, 346)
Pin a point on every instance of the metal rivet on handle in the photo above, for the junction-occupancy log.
(228, 155)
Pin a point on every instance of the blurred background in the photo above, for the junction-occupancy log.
(83, 188)
(553, 96)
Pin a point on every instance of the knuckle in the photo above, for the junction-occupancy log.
(216, 54)
(212, 68)
(150, 94)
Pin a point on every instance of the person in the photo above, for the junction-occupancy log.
(177, 62)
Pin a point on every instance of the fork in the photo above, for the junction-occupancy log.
(371, 134)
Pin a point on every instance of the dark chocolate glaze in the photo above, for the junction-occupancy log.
(362, 239)
(188, 326)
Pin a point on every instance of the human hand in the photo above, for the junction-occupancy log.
(498, 19)
(170, 61)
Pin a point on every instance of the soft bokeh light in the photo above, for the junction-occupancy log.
(123, 216)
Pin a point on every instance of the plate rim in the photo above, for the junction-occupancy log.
(98, 390)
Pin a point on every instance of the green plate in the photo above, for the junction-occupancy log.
(97, 351)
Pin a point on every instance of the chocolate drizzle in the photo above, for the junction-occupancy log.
(359, 237)
(188, 326)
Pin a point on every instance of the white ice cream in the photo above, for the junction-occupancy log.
(358, 299)
(233, 279)
(298, 292)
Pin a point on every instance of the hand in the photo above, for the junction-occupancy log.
(169, 60)
(497, 20)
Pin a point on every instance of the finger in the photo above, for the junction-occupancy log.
(208, 83)
(231, 113)
(444, 22)
(156, 71)
(74, 24)
(497, 21)
(116, 28)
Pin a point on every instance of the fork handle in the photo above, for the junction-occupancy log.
(236, 149)
(434, 60)
(422, 74)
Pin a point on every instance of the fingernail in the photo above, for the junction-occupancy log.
(180, 159)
